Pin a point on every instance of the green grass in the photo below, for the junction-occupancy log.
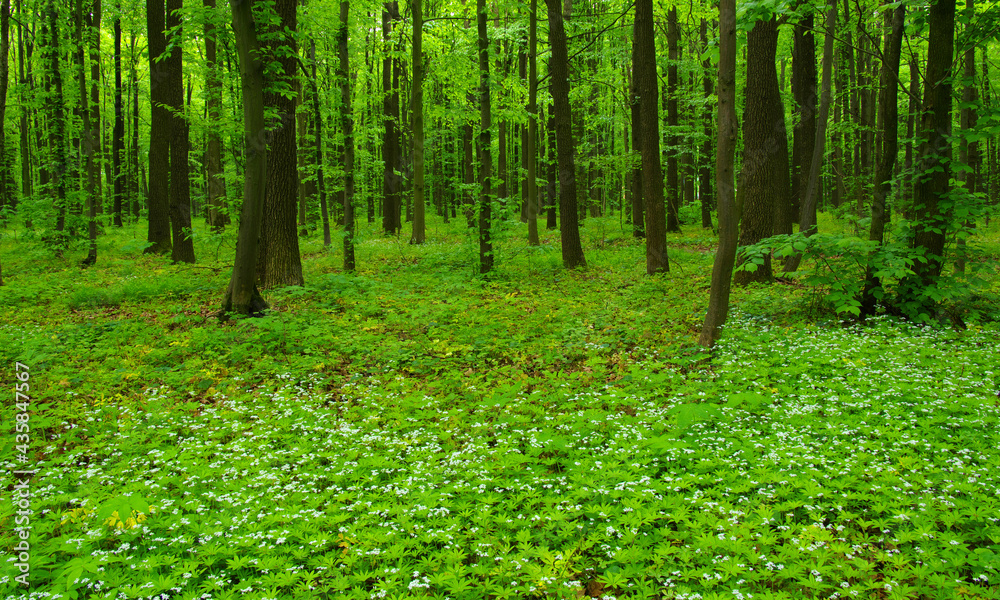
(417, 431)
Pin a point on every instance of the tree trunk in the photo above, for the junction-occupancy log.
(391, 136)
(764, 180)
(968, 150)
(180, 191)
(890, 145)
(417, 108)
(347, 125)
(94, 169)
(242, 296)
(213, 141)
(644, 70)
(673, 189)
(88, 143)
(638, 202)
(483, 150)
(118, 135)
(136, 192)
(804, 94)
(932, 187)
(530, 151)
(6, 196)
(569, 219)
(705, 173)
(278, 261)
(807, 222)
(159, 135)
(318, 142)
(725, 152)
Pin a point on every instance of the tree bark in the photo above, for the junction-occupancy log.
(242, 296)
(569, 218)
(530, 151)
(87, 146)
(214, 173)
(705, 173)
(278, 261)
(764, 180)
(347, 125)
(180, 191)
(644, 71)
(804, 94)
(417, 110)
(391, 155)
(890, 146)
(725, 152)
(159, 136)
(5, 193)
(318, 142)
(118, 135)
(807, 222)
(932, 217)
(673, 189)
(483, 150)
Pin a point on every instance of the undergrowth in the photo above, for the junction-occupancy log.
(414, 430)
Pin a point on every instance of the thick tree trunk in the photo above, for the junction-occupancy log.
(483, 144)
(159, 136)
(764, 180)
(347, 125)
(180, 191)
(725, 152)
(644, 71)
(278, 261)
(890, 145)
(569, 219)
(417, 108)
(242, 296)
(932, 217)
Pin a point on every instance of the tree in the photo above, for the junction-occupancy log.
(417, 109)
(242, 296)
(391, 155)
(216, 183)
(673, 187)
(531, 138)
(279, 262)
(705, 172)
(931, 189)
(888, 107)
(118, 135)
(644, 71)
(483, 144)
(180, 191)
(725, 152)
(764, 177)
(4, 53)
(347, 125)
(804, 104)
(158, 234)
(569, 219)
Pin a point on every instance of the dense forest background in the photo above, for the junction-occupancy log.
(883, 114)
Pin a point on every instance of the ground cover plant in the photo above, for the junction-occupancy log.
(416, 431)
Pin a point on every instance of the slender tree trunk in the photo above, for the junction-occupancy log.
(483, 150)
(279, 262)
(391, 137)
(673, 189)
(6, 196)
(87, 146)
(213, 141)
(347, 125)
(118, 136)
(242, 296)
(417, 108)
(911, 118)
(569, 219)
(764, 177)
(551, 160)
(807, 222)
(932, 186)
(94, 169)
(318, 143)
(968, 150)
(725, 153)
(644, 71)
(804, 94)
(635, 112)
(24, 51)
(705, 173)
(530, 151)
(890, 146)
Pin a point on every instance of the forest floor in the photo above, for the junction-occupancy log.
(415, 430)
